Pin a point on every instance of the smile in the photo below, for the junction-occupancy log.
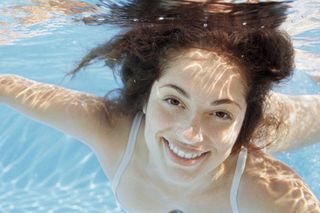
(183, 156)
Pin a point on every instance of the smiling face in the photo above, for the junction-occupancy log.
(194, 115)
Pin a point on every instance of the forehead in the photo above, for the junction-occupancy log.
(203, 71)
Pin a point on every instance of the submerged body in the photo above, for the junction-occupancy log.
(195, 107)
(204, 87)
(269, 188)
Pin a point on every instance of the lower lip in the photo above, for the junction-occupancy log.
(179, 160)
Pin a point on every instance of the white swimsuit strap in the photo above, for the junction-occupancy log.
(128, 152)
(241, 164)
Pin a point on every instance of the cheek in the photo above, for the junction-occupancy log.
(225, 137)
(157, 119)
(160, 116)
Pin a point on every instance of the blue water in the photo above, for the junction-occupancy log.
(43, 170)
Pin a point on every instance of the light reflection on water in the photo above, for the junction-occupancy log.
(42, 43)
(27, 19)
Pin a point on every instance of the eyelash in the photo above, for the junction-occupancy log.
(169, 101)
(225, 114)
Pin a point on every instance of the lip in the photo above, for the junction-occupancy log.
(184, 147)
(182, 161)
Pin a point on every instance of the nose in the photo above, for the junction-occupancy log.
(190, 135)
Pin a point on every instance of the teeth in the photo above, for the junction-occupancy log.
(183, 154)
(175, 150)
(189, 155)
(170, 146)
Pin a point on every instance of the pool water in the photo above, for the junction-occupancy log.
(44, 170)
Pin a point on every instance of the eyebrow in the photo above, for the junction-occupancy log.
(216, 102)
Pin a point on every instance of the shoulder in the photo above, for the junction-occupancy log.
(111, 140)
(270, 186)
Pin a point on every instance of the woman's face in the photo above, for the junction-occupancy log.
(194, 115)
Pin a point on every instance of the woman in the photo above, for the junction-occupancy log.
(181, 133)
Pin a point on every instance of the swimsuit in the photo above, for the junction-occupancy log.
(241, 163)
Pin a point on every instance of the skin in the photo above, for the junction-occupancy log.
(149, 183)
(79, 114)
(180, 111)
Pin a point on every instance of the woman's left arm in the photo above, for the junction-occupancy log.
(300, 116)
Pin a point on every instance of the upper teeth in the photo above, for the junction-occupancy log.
(183, 154)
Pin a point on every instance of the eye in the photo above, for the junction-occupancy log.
(172, 101)
(223, 115)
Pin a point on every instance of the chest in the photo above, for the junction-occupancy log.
(138, 194)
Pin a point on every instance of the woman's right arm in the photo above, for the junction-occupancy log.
(81, 115)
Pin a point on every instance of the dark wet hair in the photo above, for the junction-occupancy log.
(264, 55)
